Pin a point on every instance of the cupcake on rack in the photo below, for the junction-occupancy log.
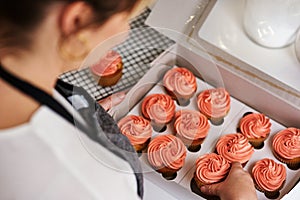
(108, 70)
(180, 84)
(214, 104)
(256, 127)
(137, 129)
(160, 109)
(210, 168)
(269, 177)
(191, 127)
(286, 147)
(166, 154)
(235, 148)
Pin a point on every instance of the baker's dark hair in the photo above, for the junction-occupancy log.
(19, 18)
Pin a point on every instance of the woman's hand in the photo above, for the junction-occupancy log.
(238, 185)
(112, 100)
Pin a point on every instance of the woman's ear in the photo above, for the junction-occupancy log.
(75, 16)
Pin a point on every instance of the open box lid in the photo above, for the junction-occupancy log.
(184, 24)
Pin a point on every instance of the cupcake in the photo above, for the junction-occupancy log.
(256, 127)
(160, 109)
(137, 129)
(214, 104)
(269, 177)
(180, 84)
(166, 154)
(235, 148)
(286, 147)
(108, 70)
(191, 127)
(210, 168)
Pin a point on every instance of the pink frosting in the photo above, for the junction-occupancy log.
(136, 128)
(180, 81)
(159, 108)
(255, 125)
(286, 143)
(214, 103)
(211, 168)
(108, 64)
(166, 151)
(191, 124)
(268, 174)
(235, 148)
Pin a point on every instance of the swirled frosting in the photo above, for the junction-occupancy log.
(255, 125)
(159, 108)
(108, 64)
(214, 103)
(191, 124)
(166, 151)
(268, 174)
(235, 148)
(180, 81)
(211, 168)
(286, 143)
(136, 128)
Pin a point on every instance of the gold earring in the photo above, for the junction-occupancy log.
(69, 54)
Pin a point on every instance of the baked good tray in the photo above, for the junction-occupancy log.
(142, 46)
(152, 83)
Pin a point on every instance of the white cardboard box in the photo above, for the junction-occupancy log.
(183, 23)
(215, 75)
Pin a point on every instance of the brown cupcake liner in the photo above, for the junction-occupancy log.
(158, 127)
(257, 143)
(112, 79)
(269, 194)
(196, 184)
(140, 147)
(181, 100)
(192, 145)
(168, 173)
(293, 164)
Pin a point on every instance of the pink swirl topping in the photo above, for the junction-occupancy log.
(211, 168)
(214, 103)
(136, 128)
(191, 124)
(166, 151)
(268, 174)
(108, 64)
(286, 143)
(180, 81)
(255, 125)
(235, 148)
(159, 108)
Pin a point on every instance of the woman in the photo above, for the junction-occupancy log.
(46, 125)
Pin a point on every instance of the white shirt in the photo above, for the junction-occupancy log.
(49, 159)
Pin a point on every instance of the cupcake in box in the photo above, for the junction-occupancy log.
(137, 129)
(166, 154)
(210, 168)
(256, 127)
(160, 109)
(269, 177)
(180, 84)
(286, 147)
(235, 148)
(214, 104)
(191, 127)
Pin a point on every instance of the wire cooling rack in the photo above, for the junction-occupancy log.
(143, 45)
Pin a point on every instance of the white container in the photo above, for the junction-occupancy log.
(272, 23)
(239, 89)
